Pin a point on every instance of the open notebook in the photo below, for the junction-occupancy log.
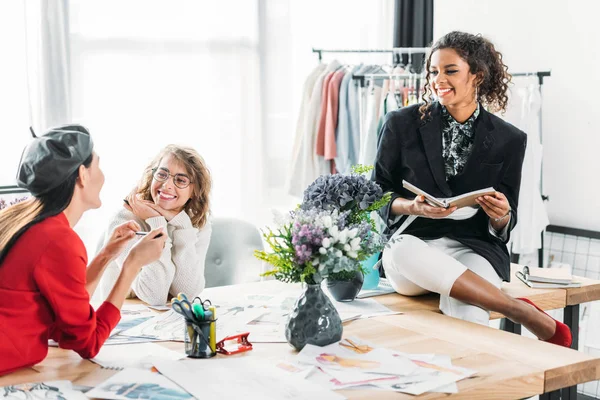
(464, 200)
(384, 287)
(547, 278)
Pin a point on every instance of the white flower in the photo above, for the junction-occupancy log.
(355, 243)
(352, 254)
(347, 247)
(316, 262)
(338, 253)
(327, 222)
(352, 233)
(326, 242)
(335, 233)
(343, 237)
(322, 250)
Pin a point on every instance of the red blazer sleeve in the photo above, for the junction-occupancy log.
(61, 277)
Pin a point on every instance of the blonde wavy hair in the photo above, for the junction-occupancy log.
(198, 206)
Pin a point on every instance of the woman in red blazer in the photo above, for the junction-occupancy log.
(45, 281)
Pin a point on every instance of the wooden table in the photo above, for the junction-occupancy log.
(508, 366)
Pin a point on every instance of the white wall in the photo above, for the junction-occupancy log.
(563, 37)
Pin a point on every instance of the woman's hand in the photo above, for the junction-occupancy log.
(140, 207)
(421, 208)
(147, 250)
(168, 214)
(497, 208)
(119, 239)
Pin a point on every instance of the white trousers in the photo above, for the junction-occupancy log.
(415, 267)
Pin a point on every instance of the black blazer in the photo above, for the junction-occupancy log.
(411, 149)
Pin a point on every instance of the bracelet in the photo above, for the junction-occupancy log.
(501, 218)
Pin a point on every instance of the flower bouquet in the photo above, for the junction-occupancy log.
(327, 236)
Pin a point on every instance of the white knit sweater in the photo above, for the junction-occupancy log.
(180, 267)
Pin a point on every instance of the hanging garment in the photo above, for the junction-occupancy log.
(368, 136)
(344, 135)
(301, 123)
(320, 144)
(306, 166)
(356, 97)
(389, 104)
(331, 118)
(532, 214)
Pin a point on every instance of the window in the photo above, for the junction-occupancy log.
(14, 100)
(147, 73)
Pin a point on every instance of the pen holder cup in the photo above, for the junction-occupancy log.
(198, 340)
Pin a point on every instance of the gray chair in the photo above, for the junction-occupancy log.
(230, 258)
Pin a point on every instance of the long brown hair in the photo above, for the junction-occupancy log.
(15, 220)
(483, 59)
(198, 206)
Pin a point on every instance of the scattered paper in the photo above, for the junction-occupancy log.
(436, 375)
(366, 308)
(265, 325)
(134, 383)
(42, 390)
(383, 288)
(347, 366)
(242, 379)
(134, 356)
(160, 308)
(122, 339)
(168, 326)
(135, 310)
(129, 323)
(356, 364)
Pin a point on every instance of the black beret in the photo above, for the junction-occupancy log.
(50, 159)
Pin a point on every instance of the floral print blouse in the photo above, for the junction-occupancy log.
(457, 142)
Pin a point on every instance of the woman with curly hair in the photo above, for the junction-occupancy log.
(173, 193)
(447, 146)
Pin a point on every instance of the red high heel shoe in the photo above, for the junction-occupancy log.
(562, 336)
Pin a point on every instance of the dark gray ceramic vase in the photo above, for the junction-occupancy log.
(346, 290)
(313, 320)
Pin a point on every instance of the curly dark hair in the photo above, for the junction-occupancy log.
(483, 59)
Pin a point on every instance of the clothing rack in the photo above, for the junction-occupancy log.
(395, 51)
(12, 190)
(540, 75)
(362, 77)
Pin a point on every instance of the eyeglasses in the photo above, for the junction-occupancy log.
(180, 180)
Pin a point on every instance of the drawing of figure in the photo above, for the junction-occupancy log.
(415, 380)
(332, 359)
(127, 324)
(149, 391)
(170, 326)
(232, 310)
(32, 391)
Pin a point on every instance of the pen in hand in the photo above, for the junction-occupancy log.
(145, 233)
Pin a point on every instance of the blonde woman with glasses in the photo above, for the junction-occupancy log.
(174, 194)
